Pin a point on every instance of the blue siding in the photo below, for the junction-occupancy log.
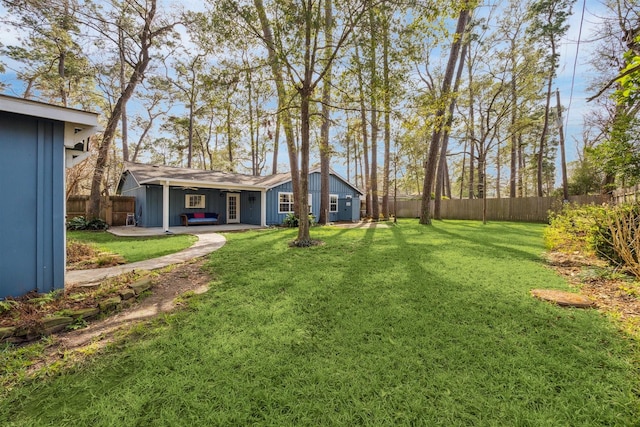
(250, 207)
(128, 185)
(336, 186)
(273, 217)
(32, 214)
(131, 188)
(149, 202)
(212, 199)
(149, 205)
(152, 206)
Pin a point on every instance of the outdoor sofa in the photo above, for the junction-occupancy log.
(199, 218)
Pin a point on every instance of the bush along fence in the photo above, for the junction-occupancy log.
(526, 209)
(114, 209)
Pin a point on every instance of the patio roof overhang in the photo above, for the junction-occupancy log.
(187, 183)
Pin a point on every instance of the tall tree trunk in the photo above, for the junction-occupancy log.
(325, 148)
(276, 144)
(146, 39)
(471, 132)
(283, 112)
(348, 148)
(521, 168)
(437, 203)
(373, 184)
(498, 166)
(543, 137)
(387, 118)
(252, 126)
(305, 90)
(545, 127)
(190, 136)
(514, 137)
(432, 157)
(62, 58)
(229, 139)
(365, 145)
(464, 161)
(447, 181)
(563, 158)
(387, 115)
(123, 84)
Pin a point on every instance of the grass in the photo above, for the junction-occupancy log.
(409, 325)
(134, 249)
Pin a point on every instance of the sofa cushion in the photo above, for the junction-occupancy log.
(199, 215)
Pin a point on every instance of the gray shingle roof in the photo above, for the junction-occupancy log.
(153, 174)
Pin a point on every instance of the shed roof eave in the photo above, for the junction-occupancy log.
(29, 107)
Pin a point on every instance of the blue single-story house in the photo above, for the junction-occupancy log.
(164, 193)
(37, 142)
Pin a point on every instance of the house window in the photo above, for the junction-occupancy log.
(286, 202)
(333, 203)
(194, 201)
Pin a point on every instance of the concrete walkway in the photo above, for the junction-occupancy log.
(207, 243)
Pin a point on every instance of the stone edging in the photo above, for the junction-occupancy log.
(53, 324)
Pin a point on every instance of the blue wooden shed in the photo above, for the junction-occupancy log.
(164, 193)
(344, 198)
(37, 142)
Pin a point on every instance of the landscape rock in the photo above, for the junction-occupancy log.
(55, 324)
(564, 299)
(109, 304)
(7, 332)
(141, 285)
(128, 293)
(85, 313)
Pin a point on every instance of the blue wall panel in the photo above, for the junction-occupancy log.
(32, 214)
(213, 203)
(336, 186)
(250, 207)
(128, 185)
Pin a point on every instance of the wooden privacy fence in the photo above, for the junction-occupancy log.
(626, 195)
(113, 209)
(529, 209)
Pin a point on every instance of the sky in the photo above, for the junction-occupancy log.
(574, 71)
(572, 78)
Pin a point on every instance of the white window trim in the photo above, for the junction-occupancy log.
(292, 202)
(335, 196)
(188, 200)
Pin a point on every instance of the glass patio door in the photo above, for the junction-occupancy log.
(233, 208)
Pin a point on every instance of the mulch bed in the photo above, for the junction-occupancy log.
(611, 291)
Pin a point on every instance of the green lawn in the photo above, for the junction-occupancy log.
(134, 249)
(409, 325)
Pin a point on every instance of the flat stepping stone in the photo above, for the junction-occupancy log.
(564, 299)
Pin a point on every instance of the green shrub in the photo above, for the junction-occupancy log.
(615, 237)
(77, 223)
(80, 223)
(292, 221)
(7, 305)
(574, 227)
(609, 232)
